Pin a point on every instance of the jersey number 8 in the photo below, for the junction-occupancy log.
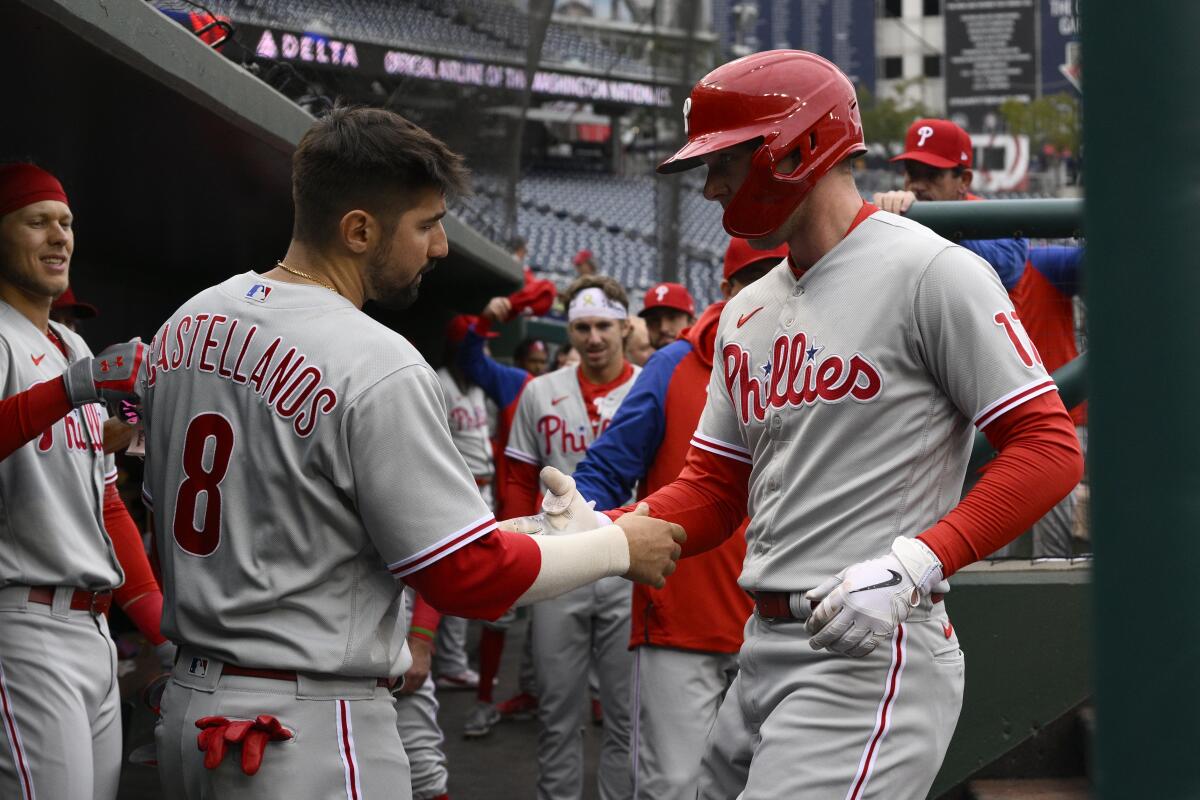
(201, 478)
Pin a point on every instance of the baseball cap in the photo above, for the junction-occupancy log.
(740, 255)
(668, 295)
(457, 327)
(582, 256)
(67, 302)
(25, 184)
(939, 143)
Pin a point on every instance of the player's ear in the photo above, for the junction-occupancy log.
(357, 230)
(966, 180)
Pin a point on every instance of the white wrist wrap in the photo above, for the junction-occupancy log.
(919, 562)
(572, 560)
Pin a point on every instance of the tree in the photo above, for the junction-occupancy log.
(885, 120)
(1053, 120)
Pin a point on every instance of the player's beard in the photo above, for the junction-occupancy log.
(385, 290)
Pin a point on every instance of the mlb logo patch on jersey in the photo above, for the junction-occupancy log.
(259, 292)
(198, 667)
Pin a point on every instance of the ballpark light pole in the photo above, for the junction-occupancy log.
(1142, 144)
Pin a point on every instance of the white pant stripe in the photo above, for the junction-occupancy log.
(24, 779)
(883, 716)
(345, 738)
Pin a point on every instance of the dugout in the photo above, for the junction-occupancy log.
(177, 163)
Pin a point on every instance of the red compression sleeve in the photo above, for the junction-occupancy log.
(25, 415)
(139, 596)
(708, 500)
(1038, 464)
(425, 620)
(518, 496)
(483, 579)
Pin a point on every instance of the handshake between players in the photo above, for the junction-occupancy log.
(639, 547)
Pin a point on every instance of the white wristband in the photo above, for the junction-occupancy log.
(576, 559)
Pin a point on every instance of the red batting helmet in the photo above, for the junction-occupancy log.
(796, 103)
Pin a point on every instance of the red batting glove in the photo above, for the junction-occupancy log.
(252, 735)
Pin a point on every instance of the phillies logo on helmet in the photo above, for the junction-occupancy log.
(923, 133)
(795, 378)
(660, 293)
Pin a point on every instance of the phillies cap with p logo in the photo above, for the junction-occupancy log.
(668, 295)
(939, 143)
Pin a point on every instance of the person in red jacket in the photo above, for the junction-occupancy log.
(685, 636)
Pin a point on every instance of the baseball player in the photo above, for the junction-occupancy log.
(503, 385)
(301, 470)
(685, 637)
(846, 387)
(470, 420)
(68, 544)
(667, 310)
(558, 417)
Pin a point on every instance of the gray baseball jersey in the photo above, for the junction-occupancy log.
(552, 428)
(52, 489)
(299, 462)
(469, 424)
(855, 391)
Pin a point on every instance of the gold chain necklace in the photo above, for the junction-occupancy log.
(312, 278)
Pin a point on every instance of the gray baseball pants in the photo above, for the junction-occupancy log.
(804, 723)
(568, 633)
(60, 706)
(676, 696)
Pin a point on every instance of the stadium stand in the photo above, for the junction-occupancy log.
(476, 29)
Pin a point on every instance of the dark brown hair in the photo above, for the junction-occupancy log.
(612, 290)
(369, 159)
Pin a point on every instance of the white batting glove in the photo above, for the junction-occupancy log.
(863, 604)
(564, 510)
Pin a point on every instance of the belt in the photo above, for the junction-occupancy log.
(81, 600)
(280, 674)
(483, 481)
(778, 605)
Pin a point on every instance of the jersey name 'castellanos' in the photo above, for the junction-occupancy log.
(299, 460)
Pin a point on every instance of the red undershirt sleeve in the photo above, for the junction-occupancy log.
(708, 500)
(1039, 462)
(139, 596)
(483, 579)
(25, 415)
(518, 496)
(425, 619)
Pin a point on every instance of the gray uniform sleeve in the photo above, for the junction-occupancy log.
(971, 340)
(413, 491)
(720, 430)
(522, 437)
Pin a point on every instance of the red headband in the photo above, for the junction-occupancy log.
(24, 184)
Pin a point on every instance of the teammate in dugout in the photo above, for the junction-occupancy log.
(685, 637)
(558, 416)
(667, 310)
(302, 472)
(840, 412)
(1040, 281)
(68, 547)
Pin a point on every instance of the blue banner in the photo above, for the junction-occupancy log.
(1061, 65)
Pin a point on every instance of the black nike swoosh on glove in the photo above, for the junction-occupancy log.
(895, 580)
